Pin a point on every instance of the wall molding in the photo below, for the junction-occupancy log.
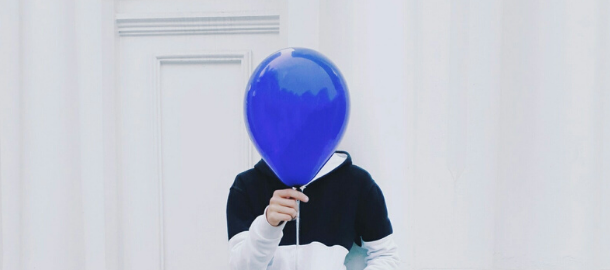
(196, 24)
(241, 57)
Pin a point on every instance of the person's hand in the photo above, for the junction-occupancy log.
(283, 206)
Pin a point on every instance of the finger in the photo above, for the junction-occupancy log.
(293, 194)
(276, 208)
(281, 217)
(297, 195)
(284, 193)
(285, 210)
(284, 202)
(276, 218)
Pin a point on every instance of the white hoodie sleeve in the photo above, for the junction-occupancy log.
(381, 254)
(254, 249)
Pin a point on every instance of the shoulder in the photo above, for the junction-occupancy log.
(360, 174)
(246, 179)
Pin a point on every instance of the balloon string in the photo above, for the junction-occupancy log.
(296, 247)
(296, 266)
(298, 227)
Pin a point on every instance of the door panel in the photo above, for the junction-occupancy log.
(181, 134)
(201, 152)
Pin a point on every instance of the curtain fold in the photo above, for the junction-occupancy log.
(486, 124)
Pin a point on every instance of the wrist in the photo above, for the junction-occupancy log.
(263, 230)
(269, 221)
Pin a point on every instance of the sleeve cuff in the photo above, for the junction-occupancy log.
(262, 228)
(381, 254)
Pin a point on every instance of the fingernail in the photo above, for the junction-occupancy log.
(306, 199)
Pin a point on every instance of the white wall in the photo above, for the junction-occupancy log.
(54, 74)
(10, 135)
(484, 122)
(486, 125)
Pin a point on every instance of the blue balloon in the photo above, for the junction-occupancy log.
(296, 110)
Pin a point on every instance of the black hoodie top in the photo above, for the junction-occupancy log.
(345, 206)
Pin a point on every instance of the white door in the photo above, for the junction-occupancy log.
(182, 71)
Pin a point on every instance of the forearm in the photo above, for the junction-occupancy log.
(254, 249)
(382, 254)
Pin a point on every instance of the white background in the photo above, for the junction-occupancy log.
(486, 124)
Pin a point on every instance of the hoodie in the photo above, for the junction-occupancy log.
(345, 206)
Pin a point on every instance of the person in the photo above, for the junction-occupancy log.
(340, 206)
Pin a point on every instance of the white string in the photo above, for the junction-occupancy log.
(296, 247)
(298, 227)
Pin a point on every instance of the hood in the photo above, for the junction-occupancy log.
(337, 160)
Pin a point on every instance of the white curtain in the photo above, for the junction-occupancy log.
(53, 80)
(486, 123)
